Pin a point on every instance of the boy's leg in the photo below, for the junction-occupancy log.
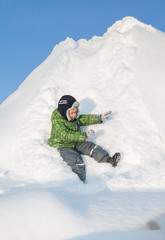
(74, 160)
(92, 150)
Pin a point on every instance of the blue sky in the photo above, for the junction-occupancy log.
(29, 29)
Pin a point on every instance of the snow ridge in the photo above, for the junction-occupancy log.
(40, 197)
(99, 73)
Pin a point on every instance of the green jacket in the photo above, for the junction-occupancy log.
(67, 133)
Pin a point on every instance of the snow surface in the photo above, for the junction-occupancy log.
(41, 198)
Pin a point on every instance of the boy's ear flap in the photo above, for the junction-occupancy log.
(67, 115)
(78, 113)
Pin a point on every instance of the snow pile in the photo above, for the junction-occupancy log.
(121, 71)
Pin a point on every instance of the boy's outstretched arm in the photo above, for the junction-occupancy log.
(89, 119)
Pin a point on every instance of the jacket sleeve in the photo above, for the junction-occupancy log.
(89, 119)
(64, 134)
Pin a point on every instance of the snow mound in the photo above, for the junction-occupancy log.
(40, 197)
(121, 71)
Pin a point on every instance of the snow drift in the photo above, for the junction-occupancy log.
(122, 71)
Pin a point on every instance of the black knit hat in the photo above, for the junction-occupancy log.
(65, 104)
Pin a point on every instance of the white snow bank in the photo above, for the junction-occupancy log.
(104, 73)
(40, 197)
(43, 214)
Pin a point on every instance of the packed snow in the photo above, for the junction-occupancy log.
(41, 198)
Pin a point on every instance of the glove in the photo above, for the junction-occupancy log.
(90, 132)
(105, 116)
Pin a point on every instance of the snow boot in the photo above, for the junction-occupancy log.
(115, 159)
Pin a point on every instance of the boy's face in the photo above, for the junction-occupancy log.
(73, 113)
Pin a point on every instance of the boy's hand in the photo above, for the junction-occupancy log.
(90, 132)
(105, 116)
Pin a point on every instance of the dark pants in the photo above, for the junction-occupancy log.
(72, 156)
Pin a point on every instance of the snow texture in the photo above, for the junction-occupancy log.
(41, 198)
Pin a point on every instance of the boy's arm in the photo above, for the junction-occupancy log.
(89, 119)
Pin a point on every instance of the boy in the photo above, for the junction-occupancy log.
(66, 135)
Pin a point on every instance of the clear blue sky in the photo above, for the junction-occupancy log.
(29, 29)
